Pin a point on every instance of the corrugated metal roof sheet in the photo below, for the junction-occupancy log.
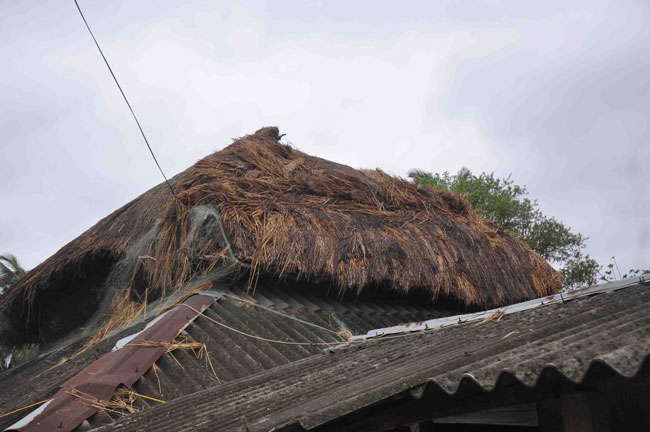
(234, 356)
(568, 339)
(560, 297)
(123, 366)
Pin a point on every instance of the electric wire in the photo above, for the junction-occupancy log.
(126, 100)
(144, 136)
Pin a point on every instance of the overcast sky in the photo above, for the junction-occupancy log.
(555, 93)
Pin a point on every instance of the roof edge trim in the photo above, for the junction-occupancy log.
(506, 310)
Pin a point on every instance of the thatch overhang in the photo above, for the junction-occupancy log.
(286, 215)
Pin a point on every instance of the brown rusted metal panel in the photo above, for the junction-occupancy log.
(123, 366)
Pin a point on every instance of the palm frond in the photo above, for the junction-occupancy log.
(10, 269)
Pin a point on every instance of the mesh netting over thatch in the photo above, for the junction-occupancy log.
(290, 214)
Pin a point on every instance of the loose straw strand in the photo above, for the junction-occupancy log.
(144, 396)
(23, 408)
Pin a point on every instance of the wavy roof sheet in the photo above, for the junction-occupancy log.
(601, 334)
(576, 340)
(233, 355)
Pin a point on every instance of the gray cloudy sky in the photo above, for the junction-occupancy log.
(556, 93)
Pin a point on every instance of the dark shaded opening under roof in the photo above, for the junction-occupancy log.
(621, 404)
(325, 287)
(70, 300)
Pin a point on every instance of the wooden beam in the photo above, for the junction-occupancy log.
(549, 413)
(612, 404)
(433, 405)
(427, 426)
(574, 412)
(512, 415)
(583, 411)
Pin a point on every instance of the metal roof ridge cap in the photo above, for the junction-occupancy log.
(21, 423)
(73, 383)
(216, 295)
(126, 339)
(508, 309)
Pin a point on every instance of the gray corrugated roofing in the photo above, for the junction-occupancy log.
(123, 366)
(234, 356)
(560, 297)
(607, 329)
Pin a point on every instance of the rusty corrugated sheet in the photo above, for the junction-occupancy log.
(123, 366)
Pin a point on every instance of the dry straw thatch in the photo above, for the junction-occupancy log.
(290, 214)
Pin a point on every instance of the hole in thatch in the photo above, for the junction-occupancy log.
(326, 287)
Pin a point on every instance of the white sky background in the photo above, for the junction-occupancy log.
(555, 93)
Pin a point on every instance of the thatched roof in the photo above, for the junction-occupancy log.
(288, 214)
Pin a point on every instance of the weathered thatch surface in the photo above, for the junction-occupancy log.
(289, 214)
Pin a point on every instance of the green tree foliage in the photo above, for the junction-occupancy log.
(10, 271)
(612, 272)
(507, 203)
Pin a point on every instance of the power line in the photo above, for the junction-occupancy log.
(223, 233)
(127, 101)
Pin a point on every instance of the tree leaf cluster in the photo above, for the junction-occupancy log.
(508, 204)
(10, 271)
(612, 272)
